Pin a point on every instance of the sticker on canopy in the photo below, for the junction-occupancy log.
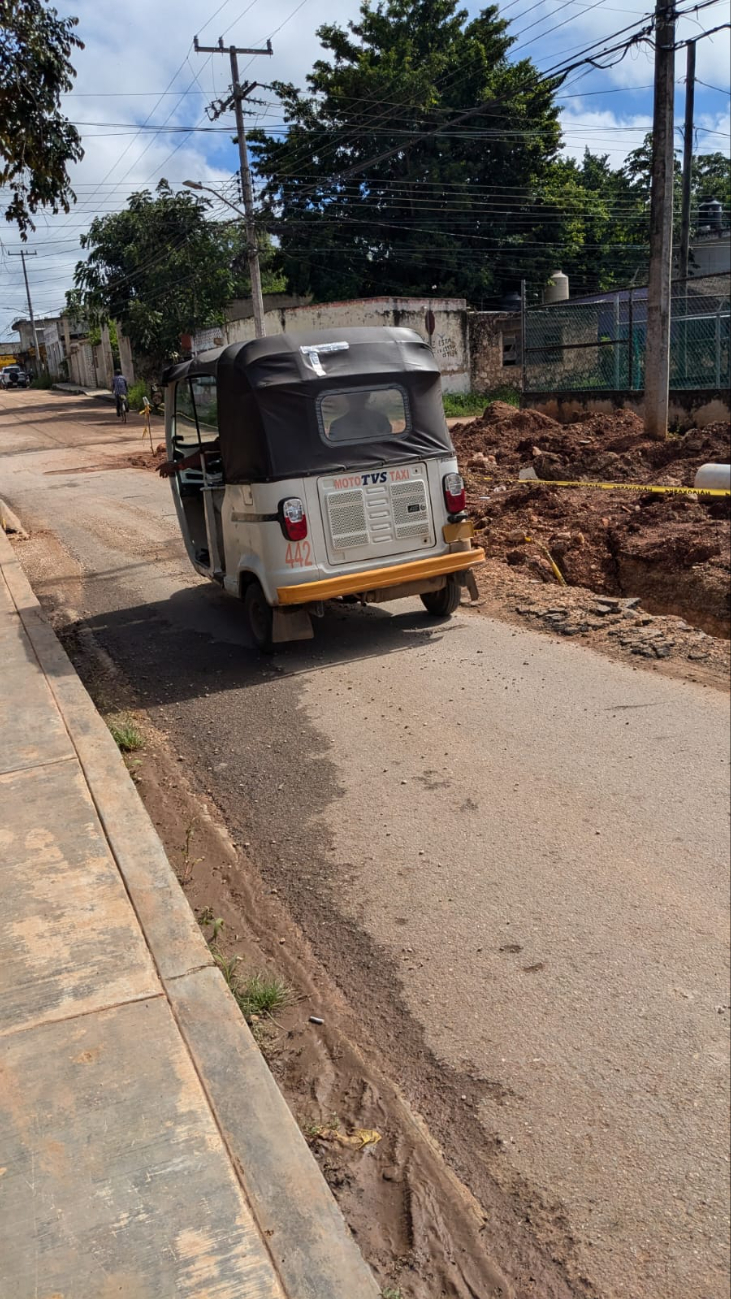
(312, 354)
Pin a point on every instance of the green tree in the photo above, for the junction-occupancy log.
(605, 223)
(36, 141)
(710, 178)
(161, 269)
(381, 185)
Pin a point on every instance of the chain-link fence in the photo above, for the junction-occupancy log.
(600, 343)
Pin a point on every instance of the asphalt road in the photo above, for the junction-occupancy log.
(513, 851)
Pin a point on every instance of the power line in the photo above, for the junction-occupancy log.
(708, 86)
(443, 82)
(227, 29)
(152, 110)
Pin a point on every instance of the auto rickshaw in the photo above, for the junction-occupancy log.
(308, 467)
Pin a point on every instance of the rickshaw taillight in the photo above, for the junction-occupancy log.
(454, 493)
(293, 519)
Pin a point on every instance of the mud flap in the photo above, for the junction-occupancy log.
(291, 624)
(470, 582)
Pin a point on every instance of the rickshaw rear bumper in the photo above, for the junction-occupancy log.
(375, 579)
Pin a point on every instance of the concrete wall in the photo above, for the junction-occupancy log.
(708, 283)
(81, 365)
(488, 332)
(125, 356)
(241, 308)
(711, 255)
(689, 408)
(105, 368)
(449, 340)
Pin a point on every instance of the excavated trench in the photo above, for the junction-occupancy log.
(671, 550)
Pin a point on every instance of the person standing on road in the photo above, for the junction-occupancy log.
(119, 388)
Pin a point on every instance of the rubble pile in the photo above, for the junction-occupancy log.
(671, 551)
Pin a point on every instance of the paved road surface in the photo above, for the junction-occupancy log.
(514, 851)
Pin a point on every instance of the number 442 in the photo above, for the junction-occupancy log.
(299, 556)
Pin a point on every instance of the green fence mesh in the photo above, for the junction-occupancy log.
(573, 346)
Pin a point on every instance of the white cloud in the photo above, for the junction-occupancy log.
(603, 132)
(713, 132)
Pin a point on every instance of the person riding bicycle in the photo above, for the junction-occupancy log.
(120, 389)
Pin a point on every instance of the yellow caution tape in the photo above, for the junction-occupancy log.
(610, 487)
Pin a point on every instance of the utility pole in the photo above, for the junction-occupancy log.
(523, 342)
(238, 95)
(657, 350)
(22, 255)
(687, 160)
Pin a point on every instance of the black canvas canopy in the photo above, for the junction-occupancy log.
(268, 394)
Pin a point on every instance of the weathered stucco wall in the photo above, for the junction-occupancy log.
(125, 356)
(449, 339)
(494, 337)
(81, 365)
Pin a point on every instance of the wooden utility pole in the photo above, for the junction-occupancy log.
(237, 98)
(22, 255)
(687, 161)
(523, 343)
(657, 350)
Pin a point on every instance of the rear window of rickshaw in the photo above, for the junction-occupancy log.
(196, 397)
(363, 414)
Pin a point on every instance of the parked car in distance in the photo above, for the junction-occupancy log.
(12, 376)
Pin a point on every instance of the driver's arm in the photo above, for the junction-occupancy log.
(194, 461)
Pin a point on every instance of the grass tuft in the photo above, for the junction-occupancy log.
(126, 735)
(189, 862)
(457, 404)
(258, 996)
(263, 994)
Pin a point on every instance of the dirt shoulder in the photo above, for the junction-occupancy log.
(419, 1227)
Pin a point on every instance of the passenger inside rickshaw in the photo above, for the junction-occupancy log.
(363, 414)
(360, 420)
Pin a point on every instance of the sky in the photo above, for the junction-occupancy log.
(139, 71)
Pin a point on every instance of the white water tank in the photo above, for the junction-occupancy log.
(557, 289)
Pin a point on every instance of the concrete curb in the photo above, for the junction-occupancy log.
(9, 522)
(75, 390)
(312, 1249)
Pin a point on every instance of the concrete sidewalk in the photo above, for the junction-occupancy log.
(145, 1150)
(76, 390)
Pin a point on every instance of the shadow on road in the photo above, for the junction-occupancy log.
(196, 643)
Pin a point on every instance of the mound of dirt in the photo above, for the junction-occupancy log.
(673, 551)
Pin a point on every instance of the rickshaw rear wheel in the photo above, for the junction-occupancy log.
(260, 617)
(442, 603)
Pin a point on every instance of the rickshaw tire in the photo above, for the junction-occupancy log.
(442, 603)
(260, 617)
